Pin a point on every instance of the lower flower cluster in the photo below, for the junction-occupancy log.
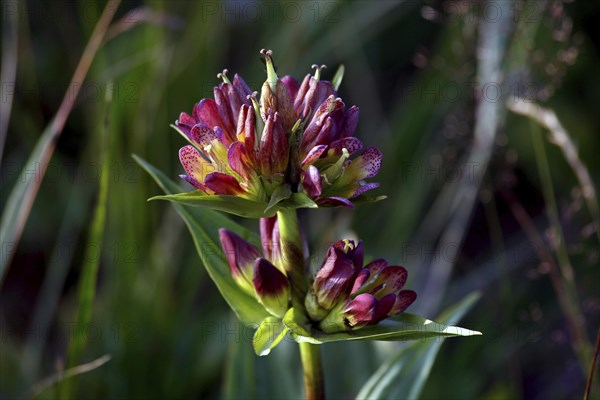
(344, 295)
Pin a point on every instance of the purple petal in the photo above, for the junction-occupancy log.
(236, 158)
(371, 161)
(273, 155)
(222, 184)
(350, 122)
(361, 278)
(269, 236)
(384, 306)
(334, 202)
(195, 166)
(241, 86)
(235, 99)
(292, 85)
(311, 181)
(351, 144)
(185, 123)
(376, 266)
(358, 255)
(333, 279)
(224, 112)
(393, 277)
(268, 280)
(314, 154)
(365, 188)
(202, 134)
(193, 182)
(239, 253)
(361, 310)
(403, 300)
(207, 113)
(300, 95)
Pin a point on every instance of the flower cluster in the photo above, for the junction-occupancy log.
(344, 295)
(297, 135)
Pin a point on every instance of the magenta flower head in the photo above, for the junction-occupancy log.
(293, 147)
(256, 275)
(347, 296)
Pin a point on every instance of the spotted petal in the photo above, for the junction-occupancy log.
(403, 300)
(195, 166)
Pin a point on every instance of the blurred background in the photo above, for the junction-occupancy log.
(482, 196)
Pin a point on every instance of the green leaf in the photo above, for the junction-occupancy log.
(337, 78)
(366, 199)
(282, 192)
(405, 373)
(268, 335)
(203, 224)
(404, 327)
(298, 200)
(230, 204)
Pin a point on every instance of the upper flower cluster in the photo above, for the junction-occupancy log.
(297, 138)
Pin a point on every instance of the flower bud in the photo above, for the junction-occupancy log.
(334, 280)
(269, 236)
(275, 96)
(272, 287)
(240, 257)
(273, 155)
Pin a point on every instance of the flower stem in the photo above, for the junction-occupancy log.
(293, 260)
(314, 387)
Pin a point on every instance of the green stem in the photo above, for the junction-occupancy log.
(314, 387)
(569, 298)
(293, 260)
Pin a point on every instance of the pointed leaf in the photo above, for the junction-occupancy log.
(231, 204)
(404, 327)
(203, 225)
(268, 335)
(298, 200)
(337, 78)
(282, 192)
(404, 374)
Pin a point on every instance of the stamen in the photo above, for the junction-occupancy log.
(223, 75)
(272, 77)
(318, 71)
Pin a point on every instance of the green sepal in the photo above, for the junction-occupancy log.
(269, 334)
(281, 193)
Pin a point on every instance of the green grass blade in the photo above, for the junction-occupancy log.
(405, 373)
(89, 269)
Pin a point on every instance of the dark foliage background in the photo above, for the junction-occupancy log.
(413, 68)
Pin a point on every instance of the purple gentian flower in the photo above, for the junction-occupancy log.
(347, 296)
(299, 135)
